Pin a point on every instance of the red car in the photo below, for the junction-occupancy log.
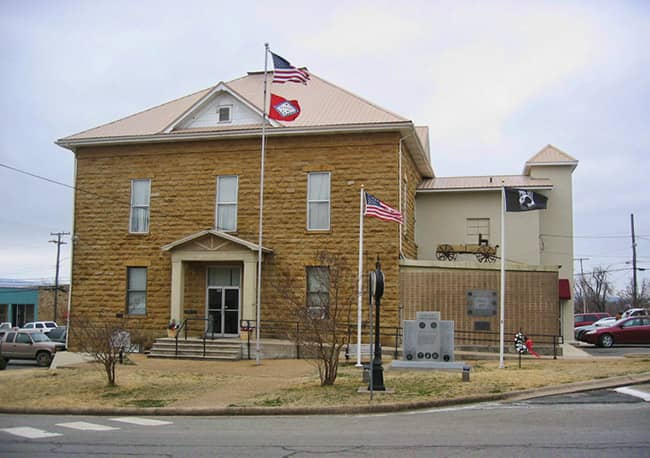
(585, 319)
(634, 330)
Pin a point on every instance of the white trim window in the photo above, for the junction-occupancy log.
(226, 211)
(318, 291)
(224, 114)
(140, 199)
(476, 227)
(318, 201)
(136, 290)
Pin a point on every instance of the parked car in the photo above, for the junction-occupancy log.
(634, 330)
(585, 319)
(603, 322)
(634, 312)
(43, 326)
(58, 334)
(5, 325)
(28, 344)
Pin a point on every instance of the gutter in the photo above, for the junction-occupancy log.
(211, 135)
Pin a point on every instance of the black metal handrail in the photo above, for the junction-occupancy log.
(185, 327)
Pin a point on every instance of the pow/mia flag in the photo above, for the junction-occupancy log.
(520, 200)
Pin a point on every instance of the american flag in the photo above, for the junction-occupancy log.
(285, 72)
(378, 209)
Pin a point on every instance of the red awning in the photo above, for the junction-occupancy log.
(565, 289)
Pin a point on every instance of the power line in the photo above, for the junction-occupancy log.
(96, 194)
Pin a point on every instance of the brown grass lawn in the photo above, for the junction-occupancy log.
(169, 383)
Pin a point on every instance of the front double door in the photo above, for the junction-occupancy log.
(223, 311)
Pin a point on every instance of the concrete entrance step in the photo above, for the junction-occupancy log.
(221, 349)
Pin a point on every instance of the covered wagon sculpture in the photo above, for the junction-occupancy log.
(483, 251)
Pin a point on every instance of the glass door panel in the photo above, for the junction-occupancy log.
(231, 311)
(215, 311)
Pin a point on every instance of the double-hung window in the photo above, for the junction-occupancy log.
(318, 291)
(136, 290)
(140, 195)
(318, 201)
(226, 212)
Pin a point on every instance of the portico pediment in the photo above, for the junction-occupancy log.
(213, 242)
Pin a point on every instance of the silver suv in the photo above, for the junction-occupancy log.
(26, 344)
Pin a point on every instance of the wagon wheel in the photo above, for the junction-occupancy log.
(446, 252)
(486, 254)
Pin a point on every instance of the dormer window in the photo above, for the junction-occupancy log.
(224, 113)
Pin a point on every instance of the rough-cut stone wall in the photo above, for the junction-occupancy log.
(531, 301)
(183, 181)
(413, 178)
(46, 304)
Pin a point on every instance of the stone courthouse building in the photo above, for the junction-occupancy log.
(167, 210)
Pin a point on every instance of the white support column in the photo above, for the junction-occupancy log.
(249, 290)
(178, 288)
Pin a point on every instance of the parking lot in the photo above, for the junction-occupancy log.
(616, 350)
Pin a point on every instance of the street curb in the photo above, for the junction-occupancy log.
(520, 395)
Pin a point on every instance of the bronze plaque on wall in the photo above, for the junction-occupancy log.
(481, 302)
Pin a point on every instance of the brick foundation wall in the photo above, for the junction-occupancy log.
(531, 301)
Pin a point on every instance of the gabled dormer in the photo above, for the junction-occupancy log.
(222, 107)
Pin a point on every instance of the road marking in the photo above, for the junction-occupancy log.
(29, 433)
(632, 392)
(141, 421)
(85, 426)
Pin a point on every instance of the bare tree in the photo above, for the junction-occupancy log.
(323, 313)
(105, 339)
(595, 288)
(642, 294)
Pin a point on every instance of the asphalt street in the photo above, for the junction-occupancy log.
(598, 424)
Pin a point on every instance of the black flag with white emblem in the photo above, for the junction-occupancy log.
(520, 200)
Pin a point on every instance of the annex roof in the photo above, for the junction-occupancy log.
(550, 155)
(482, 183)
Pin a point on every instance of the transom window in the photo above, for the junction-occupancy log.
(318, 291)
(476, 227)
(140, 196)
(318, 201)
(136, 291)
(226, 212)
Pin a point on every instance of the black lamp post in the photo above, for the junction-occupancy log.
(377, 379)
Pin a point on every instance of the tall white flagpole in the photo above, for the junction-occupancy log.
(503, 276)
(259, 241)
(360, 285)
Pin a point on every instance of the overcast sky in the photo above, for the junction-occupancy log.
(494, 81)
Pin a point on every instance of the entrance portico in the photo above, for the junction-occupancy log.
(218, 270)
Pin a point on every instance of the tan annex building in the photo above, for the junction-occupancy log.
(167, 207)
(456, 210)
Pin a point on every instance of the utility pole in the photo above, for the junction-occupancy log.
(582, 279)
(58, 242)
(634, 287)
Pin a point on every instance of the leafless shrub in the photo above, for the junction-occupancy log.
(323, 313)
(105, 339)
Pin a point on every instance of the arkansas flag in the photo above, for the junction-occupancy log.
(282, 109)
